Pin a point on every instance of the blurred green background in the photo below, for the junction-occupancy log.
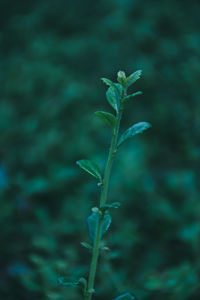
(52, 56)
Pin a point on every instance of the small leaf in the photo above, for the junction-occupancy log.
(133, 130)
(86, 245)
(126, 296)
(96, 210)
(91, 291)
(116, 86)
(121, 78)
(90, 167)
(62, 281)
(105, 248)
(93, 221)
(106, 117)
(106, 223)
(112, 205)
(121, 74)
(133, 77)
(107, 81)
(83, 283)
(113, 98)
(125, 99)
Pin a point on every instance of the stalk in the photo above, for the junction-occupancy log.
(103, 199)
(98, 221)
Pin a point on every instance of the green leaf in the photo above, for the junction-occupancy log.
(62, 281)
(111, 84)
(125, 99)
(126, 296)
(107, 81)
(93, 221)
(133, 130)
(83, 283)
(113, 95)
(118, 88)
(121, 78)
(112, 205)
(106, 117)
(90, 167)
(86, 245)
(133, 77)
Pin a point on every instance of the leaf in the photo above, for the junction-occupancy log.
(83, 283)
(133, 130)
(93, 221)
(113, 98)
(62, 281)
(113, 95)
(106, 117)
(118, 88)
(107, 81)
(126, 296)
(106, 223)
(121, 78)
(112, 205)
(86, 245)
(90, 167)
(133, 77)
(104, 248)
(125, 99)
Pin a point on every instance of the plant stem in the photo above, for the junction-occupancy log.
(103, 199)
(111, 156)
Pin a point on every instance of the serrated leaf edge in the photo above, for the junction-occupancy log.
(126, 135)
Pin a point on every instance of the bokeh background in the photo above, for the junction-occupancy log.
(52, 56)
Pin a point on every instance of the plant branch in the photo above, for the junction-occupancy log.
(103, 199)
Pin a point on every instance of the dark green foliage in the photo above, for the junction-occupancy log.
(52, 54)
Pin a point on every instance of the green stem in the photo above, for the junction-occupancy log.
(111, 156)
(103, 199)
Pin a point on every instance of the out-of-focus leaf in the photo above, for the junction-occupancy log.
(86, 245)
(106, 117)
(133, 130)
(106, 223)
(83, 283)
(90, 167)
(93, 220)
(107, 81)
(62, 281)
(112, 205)
(126, 296)
(129, 97)
(121, 78)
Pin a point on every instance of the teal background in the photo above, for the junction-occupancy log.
(52, 56)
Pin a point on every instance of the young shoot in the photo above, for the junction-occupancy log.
(100, 219)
